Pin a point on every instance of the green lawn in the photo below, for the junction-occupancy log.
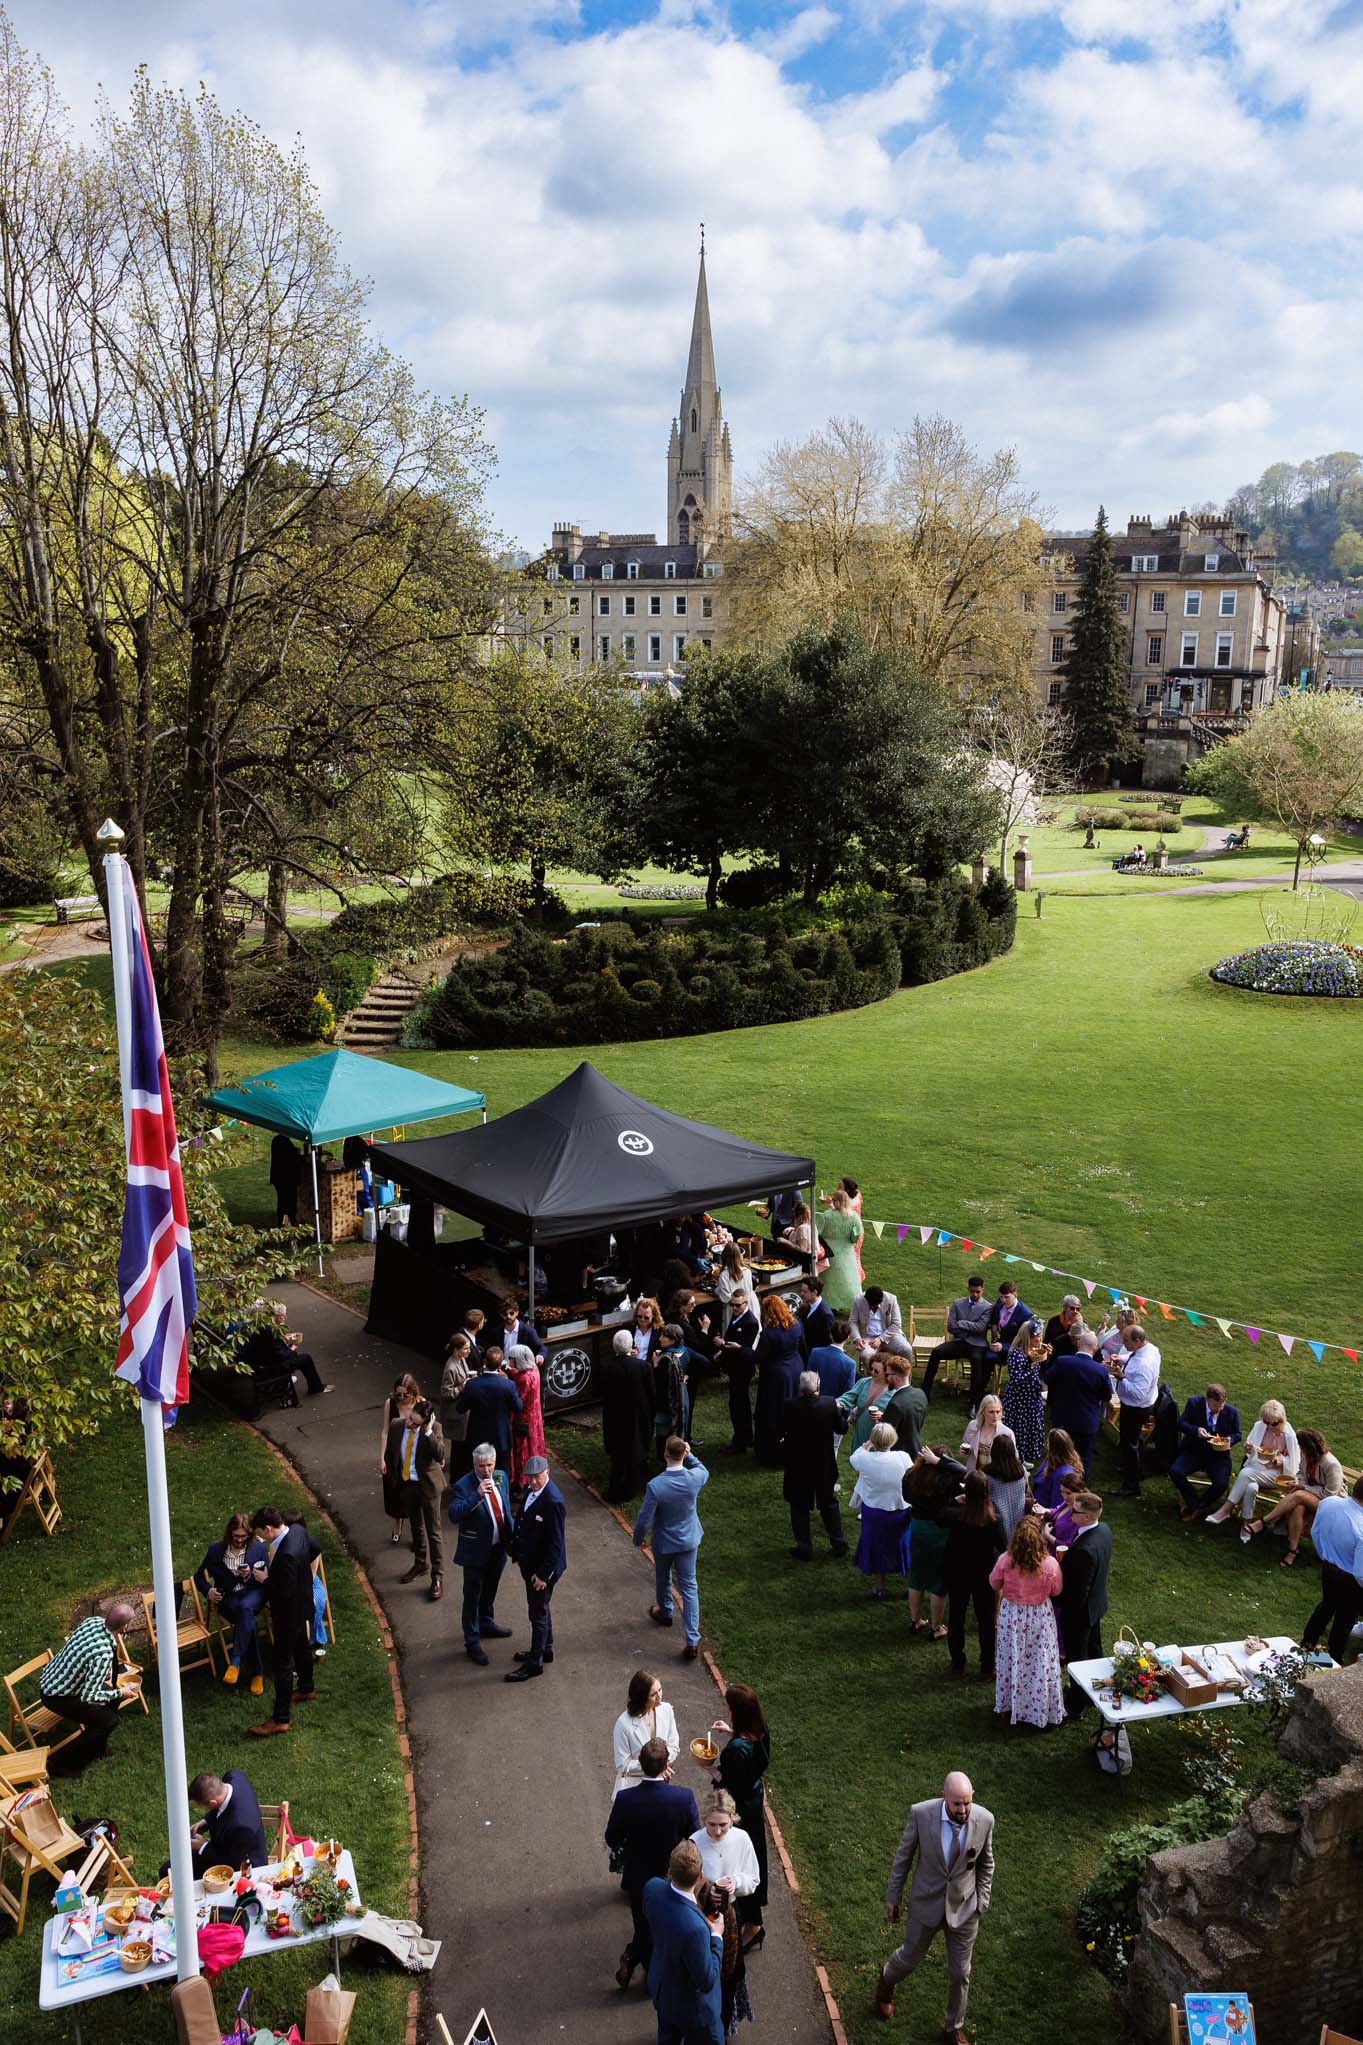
(340, 1769)
(1059, 847)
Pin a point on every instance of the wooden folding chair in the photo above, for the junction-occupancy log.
(928, 1327)
(31, 1719)
(34, 1837)
(274, 1819)
(100, 1864)
(319, 1571)
(21, 1770)
(1329, 2037)
(130, 1689)
(189, 1633)
(39, 1491)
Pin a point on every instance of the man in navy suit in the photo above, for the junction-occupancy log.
(813, 1318)
(683, 1975)
(514, 1331)
(837, 1371)
(1078, 1394)
(645, 1823)
(493, 1406)
(669, 1507)
(288, 1580)
(540, 1553)
(231, 1830)
(1201, 1421)
(480, 1506)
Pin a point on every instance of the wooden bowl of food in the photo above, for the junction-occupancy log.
(118, 1916)
(218, 1880)
(704, 1751)
(134, 1955)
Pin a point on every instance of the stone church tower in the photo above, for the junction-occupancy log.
(700, 459)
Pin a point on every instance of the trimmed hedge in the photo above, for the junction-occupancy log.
(628, 981)
(343, 959)
(1127, 820)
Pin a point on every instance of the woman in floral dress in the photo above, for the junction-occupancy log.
(1027, 1668)
(1024, 1409)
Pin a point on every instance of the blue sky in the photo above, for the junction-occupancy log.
(1124, 240)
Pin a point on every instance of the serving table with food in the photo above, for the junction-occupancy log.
(128, 1939)
(1142, 1681)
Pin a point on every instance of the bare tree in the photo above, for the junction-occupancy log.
(1026, 743)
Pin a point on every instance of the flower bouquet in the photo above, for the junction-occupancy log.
(1137, 1673)
(320, 1899)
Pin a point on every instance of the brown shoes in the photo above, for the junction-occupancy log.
(884, 2003)
(418, 1569)
(624, 1973)
(269, 1729)
(691, 1651)
(437, 1588)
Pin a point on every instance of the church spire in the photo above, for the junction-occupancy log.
(700, 364)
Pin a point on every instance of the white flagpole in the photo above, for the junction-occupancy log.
(116, 878)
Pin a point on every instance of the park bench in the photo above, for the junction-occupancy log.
(246, 1392)
(68, 906)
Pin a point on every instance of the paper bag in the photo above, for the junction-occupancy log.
(326, 2020)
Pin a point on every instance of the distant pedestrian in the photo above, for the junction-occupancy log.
(493, 1406)
(810, 1430)
(455, 1373)
(289, 1591)
(399, 1403)
(647, 1820)
(286, 1177)
(626, 1417)
(688, 1952)
(669, 1508)
(417, 1448)
(480, 1507)
(951, 1838)
(540, 1552)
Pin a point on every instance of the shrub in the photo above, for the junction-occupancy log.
(1106, 1917)
(751, 887)
(321, 1018)
(347, 977)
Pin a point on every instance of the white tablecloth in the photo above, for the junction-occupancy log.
(1094, 1677)
(55, 1993)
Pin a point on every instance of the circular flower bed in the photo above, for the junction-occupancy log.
(1309, 966)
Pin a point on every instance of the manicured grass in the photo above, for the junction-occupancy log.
(1059, 847)
(339, 1769)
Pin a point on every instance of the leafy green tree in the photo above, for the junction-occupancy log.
(62, 1216)
(1097, 668)
(1299, 765)
(698, 797)
(867, 766)
(1346, 555)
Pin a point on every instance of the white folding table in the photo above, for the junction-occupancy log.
(56, 1992)
(1094, 1678)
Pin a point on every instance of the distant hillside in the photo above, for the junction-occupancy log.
(1310, 513)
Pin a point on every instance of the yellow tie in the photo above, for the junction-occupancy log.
(411, 1452)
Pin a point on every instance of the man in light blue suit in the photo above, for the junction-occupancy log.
(683, 1974)
(669, 1507)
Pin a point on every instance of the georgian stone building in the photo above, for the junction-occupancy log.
(1206, 631)
(628, 600)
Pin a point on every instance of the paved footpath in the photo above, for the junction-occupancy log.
(513, 1782)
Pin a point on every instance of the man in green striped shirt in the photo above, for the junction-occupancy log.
(80, 1683)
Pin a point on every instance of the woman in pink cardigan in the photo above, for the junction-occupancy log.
(1027, 1678)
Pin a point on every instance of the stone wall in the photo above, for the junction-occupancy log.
(1276, 1907)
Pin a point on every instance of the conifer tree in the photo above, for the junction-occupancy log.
(1097, 669)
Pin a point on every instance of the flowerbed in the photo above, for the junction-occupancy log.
(634, 893)
(1306, 966)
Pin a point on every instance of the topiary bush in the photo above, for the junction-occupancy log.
(1303, 966)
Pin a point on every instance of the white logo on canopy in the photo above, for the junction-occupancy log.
(635, 1143)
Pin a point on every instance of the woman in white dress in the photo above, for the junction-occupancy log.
(1271, 1452)
(727, 1856)
(734, 1288)
(645, 1717)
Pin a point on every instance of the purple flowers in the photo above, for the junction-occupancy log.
(1307, 966)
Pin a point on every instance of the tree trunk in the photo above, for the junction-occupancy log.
(276, 910)
(537, 873)
(1296, 871)
(184, 974)
(712, 880)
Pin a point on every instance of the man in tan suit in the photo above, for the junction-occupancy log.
(953, 1839)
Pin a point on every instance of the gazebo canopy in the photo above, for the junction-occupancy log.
(340, 1094)
(587, 1155)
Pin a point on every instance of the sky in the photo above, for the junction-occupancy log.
(1122, 238)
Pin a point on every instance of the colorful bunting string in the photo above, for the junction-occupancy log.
(979, 1251)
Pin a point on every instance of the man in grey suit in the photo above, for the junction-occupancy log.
(953, 1839)
(669, 1507)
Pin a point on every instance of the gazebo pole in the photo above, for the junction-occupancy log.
(813, 1226)
(530, 1280)
(316, 1205)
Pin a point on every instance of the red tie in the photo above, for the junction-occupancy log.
(497, 1513)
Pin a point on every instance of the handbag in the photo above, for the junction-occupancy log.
(243, 2028)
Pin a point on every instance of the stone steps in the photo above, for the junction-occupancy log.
(375, 1024)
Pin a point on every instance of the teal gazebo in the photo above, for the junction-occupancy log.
(339, 1094)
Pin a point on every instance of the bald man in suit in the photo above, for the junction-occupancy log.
(951, 1838)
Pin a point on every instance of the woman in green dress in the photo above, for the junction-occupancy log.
(841, 1230)
(741, 1766)
(864, 1399)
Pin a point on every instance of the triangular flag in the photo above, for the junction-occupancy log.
(1254, 1333)
(1011, 1260)
(879, 1227)
(1056, 1274)
(1352, 1354)
(1037, 1267)
(1112, 1294)
(1167, 1312)
(984, 1254)
(966, 1243)
(1317, 1350)
(943, 1237)
(1141, 1302)
(1287, 1341)
(1088, 1286)
(1196, 1319)
(1224, 1326)
(925, 1234)
(902, 1231)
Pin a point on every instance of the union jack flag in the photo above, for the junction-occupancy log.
(155, 1266)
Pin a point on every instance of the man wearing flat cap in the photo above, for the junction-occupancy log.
(538, 1550)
